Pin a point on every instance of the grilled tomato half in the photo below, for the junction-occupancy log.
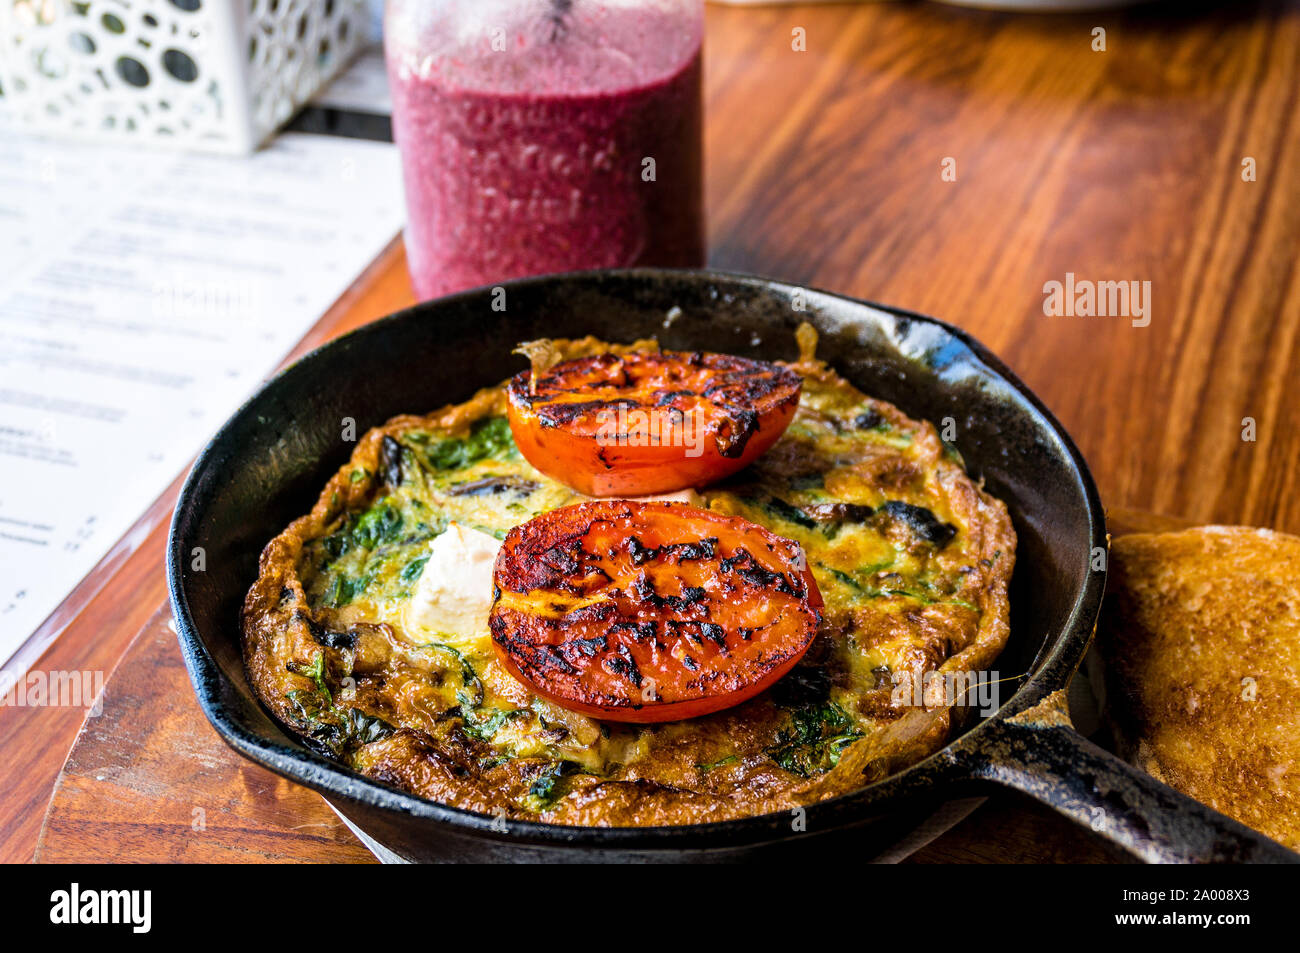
(646, 612)
(649, 422)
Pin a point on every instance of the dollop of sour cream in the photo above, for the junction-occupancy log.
(453, 596)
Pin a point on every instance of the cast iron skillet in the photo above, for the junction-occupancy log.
(267, 464)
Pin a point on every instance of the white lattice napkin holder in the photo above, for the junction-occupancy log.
(210, 75)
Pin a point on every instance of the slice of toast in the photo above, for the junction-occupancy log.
(1200, 640)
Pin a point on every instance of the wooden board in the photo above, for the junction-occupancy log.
(149, 780)
(824, 167)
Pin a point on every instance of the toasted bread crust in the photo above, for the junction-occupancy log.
(1201, 643)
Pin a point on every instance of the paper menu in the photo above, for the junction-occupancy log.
(142, 297)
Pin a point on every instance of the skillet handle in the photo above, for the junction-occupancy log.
(1039, 754)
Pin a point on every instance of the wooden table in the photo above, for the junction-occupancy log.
(826, 167)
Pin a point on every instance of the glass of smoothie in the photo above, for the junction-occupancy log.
(546, 135)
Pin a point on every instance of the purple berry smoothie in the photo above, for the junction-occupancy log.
(546, 135)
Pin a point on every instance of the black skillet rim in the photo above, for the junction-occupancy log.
(1058, 660)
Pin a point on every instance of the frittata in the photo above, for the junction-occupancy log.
(366, 632)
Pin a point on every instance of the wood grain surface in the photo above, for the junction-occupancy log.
(824, 167)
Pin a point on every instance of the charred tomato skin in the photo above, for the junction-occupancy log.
(650, 612)
(643, 423)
